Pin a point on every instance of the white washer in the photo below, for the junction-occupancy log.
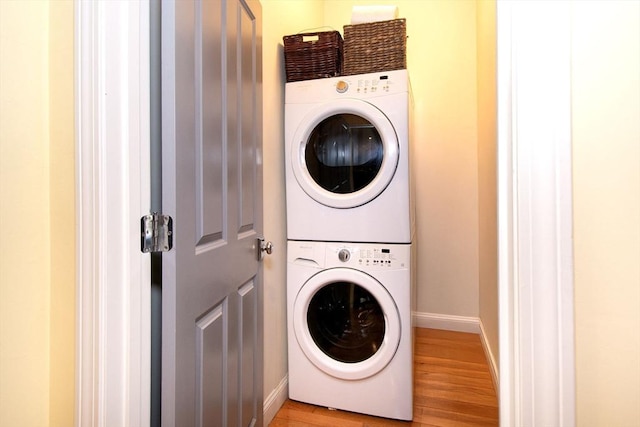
(347, 158)
(349, 326)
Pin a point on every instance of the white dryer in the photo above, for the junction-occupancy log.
(347, 158)
(349, 326)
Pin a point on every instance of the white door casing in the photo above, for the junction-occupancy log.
(537, 377)
(112, 193)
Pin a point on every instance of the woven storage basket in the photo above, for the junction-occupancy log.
(375, 46)
(306, 60)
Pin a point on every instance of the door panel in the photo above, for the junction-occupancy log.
(248, 106)
(209, 121)
(248, 304)
(212, 187)
(210, 375)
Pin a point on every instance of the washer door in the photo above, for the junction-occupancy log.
(346, 323)
(345, 153)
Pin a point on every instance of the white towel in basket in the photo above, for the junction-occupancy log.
(362, 14)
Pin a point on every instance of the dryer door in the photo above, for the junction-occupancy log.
(345, 153)
(346, 323)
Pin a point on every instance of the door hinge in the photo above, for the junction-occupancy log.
(156, 233)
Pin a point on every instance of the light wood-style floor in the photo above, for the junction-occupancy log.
(452, 387)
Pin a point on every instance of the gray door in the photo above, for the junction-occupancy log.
(212, 187)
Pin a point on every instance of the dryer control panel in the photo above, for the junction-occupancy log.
(357, 86)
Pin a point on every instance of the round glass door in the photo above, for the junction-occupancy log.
(345, 153)
(346, 323)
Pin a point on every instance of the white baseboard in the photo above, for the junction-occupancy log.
(446, 322)
(493, 365)
(275, 400)
(460, 324)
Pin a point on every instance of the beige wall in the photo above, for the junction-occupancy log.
(487, 173)
(37, 273)
(606, 177)
(62, 213)
(441, 52)
(24, 214)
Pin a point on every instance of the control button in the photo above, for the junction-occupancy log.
(344, 255)
(342, 86)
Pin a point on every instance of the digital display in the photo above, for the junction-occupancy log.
(384, 77)
(385, 251)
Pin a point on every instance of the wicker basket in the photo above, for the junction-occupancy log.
(313, 55)
(375, 46)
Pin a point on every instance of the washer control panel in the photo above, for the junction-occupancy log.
(376, 256)
(369, 255)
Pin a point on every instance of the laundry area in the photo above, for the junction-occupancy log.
(380, 165)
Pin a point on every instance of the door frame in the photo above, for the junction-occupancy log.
(112, 193)
(535, 214)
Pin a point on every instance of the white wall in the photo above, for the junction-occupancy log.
(606, 176)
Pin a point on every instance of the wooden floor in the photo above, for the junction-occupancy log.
(452, 387)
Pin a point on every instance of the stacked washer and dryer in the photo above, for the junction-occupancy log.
(350, 217)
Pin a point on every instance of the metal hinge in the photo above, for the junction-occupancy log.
(156, 233)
